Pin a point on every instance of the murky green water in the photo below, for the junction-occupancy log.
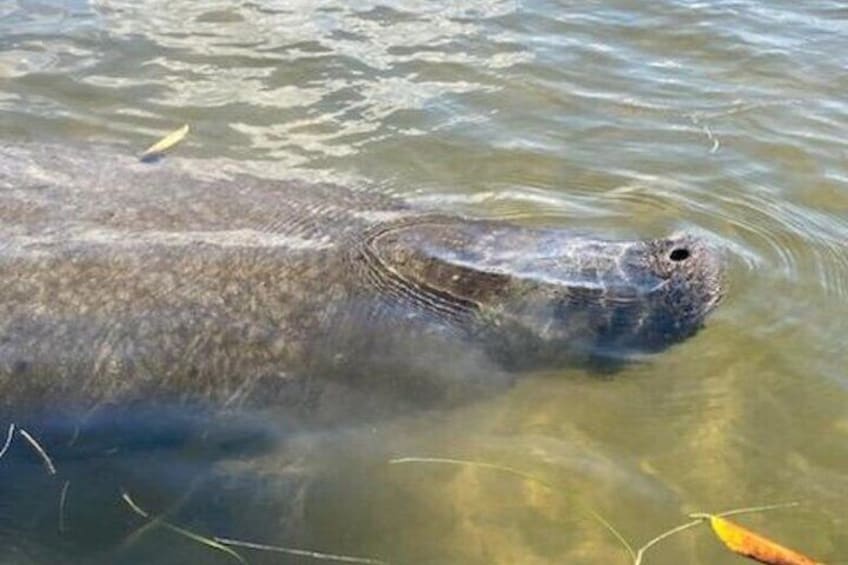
(619, 117)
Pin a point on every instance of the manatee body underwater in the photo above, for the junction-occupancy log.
(136, 299)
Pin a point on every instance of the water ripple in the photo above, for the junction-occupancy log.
(755, 225)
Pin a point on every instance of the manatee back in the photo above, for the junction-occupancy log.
(52, 193)
(124, 279)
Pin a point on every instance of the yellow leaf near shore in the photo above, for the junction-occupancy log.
(158, 149)
(754, 546)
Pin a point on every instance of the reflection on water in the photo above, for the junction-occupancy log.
(622, 118)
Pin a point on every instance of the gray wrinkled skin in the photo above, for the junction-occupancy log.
(122, 282)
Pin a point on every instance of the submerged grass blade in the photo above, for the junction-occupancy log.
(527, 476)
(301, 552)
(8, 442)
(63, 499)
(48, 463)
(470, 463)
(752, 509)
(208, 542)
(611, 529)
(135, 508)
(159, 148)
(637, 560)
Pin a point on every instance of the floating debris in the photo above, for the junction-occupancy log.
(755, 546)
(158, 149)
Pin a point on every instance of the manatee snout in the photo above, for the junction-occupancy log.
(582, 296)
(678, 281)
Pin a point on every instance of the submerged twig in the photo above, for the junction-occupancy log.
(748, 510)
(470, 463)
(301, 552)
(63, 497)
(137, 534)
(48, 463)
(8, 440)
(209, 542)
(633, 554)
(668, 533)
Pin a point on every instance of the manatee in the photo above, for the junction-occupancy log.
(167, 329)
(123, 282)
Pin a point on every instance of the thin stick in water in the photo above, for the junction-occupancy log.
(8, 439)
(662, 536)
(48, 463)
(63, 498)
(203, 540)
(748, 510)
(301, 552)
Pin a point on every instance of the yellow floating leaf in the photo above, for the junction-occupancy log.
(158, 149)
(754, 546)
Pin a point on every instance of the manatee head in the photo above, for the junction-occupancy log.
(660, 294)
(536, 298)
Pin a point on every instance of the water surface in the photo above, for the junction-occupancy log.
(624, 118)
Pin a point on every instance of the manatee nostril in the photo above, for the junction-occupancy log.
(679, 254)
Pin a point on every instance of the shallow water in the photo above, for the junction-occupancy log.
(624, 118)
